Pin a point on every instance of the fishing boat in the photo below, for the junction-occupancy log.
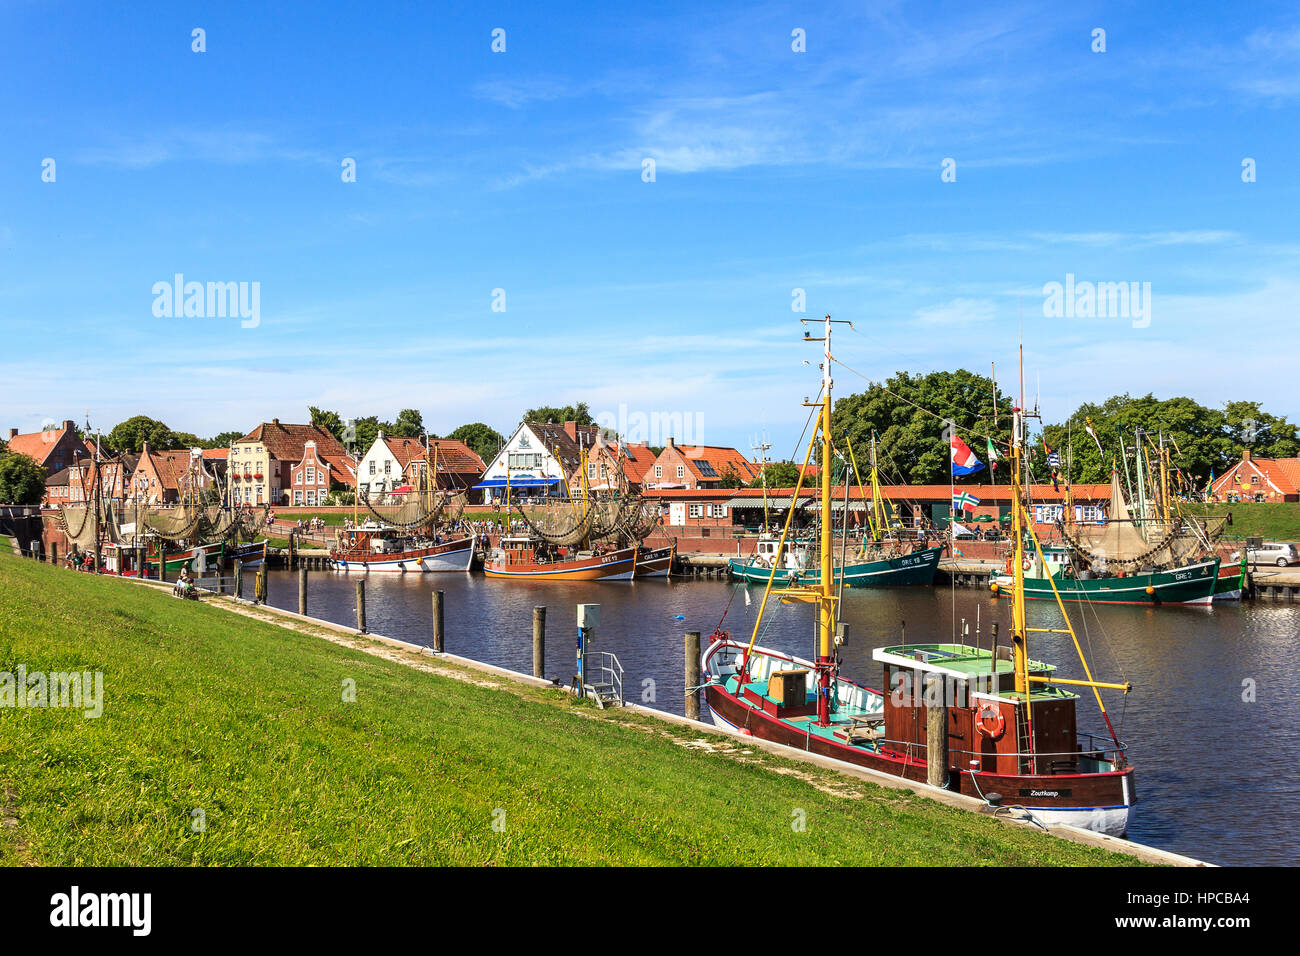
(252, 555)
(526, 556)
(374, 546)
(654, 562)
(1127, 560)
(880, 558)
(1007, 733)
(197, 557)
(1232, 581)
(412, 529)
(589, 536)
(798, 561)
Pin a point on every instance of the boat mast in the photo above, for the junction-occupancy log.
(826, 606)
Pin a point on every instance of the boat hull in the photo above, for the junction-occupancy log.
(654, 563)
(252, 555)
(1100, 802)
(451, 556)
(179, 559)
(915, 569)
(1193, 584)
(615, 566)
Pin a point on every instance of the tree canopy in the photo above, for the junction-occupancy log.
(22, 480)
(912, 442)
(579, 413)
(131, 435)
(1200, 439)
(483, 439)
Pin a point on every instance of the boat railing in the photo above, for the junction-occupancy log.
(1089, 749)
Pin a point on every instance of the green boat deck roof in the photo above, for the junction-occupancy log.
(959, 659)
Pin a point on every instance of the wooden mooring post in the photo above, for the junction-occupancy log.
(239, 580)
(361, 606)
(439, 635)
(259, 585)
(692, 675)
(936, 733)
(302, 591)
(539, 641)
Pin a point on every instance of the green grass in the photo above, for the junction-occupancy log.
(206, 709)
(1273, 521)
(330, 518)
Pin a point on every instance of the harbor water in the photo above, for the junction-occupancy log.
(1212, 724)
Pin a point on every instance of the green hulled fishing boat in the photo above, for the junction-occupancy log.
(880, 559)
(801, 565)
(1148, 554)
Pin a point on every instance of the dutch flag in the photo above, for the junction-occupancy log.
(964, 461)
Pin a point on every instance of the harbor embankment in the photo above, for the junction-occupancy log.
(228, 740)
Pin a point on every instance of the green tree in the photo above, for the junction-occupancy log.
(1267, 436)
(223, 439)
(730, 479)
(913, 442)
(485, 440)
(360, 433)
(330, 421)
(22, 480)
(779, 474)
(409, 424)
(579, 413)
(187, 440)
(1197, 437)
(130, 435)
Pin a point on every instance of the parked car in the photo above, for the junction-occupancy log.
(1282, 555)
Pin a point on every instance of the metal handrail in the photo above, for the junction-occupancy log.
(611, 671)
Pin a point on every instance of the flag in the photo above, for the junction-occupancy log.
(1053, 462)
(964, 461)
(963, 502)
(993, 456)
(1087, 426)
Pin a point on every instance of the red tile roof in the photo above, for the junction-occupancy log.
(40, 445)
(286, 442)
(454, 457)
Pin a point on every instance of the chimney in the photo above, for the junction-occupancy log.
(1245, 454)
(571, 429)
(275, 421)
(13, 433)
(671, 444)
(69, 425)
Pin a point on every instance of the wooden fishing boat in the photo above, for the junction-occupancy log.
(176, 559)
(252, 555)
(1007, 733)
(1231, 582)
(379, 548)
(799, 563)
(1043, 581)
(525, 556)
(654, 562)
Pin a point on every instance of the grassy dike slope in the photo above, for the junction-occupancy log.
(245, 720)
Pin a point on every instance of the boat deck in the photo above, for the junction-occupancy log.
(845, 723)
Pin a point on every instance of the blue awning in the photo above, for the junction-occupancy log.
(520, 481)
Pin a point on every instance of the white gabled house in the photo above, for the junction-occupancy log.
(538, 460)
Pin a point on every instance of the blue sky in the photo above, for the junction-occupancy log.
(522, 171)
